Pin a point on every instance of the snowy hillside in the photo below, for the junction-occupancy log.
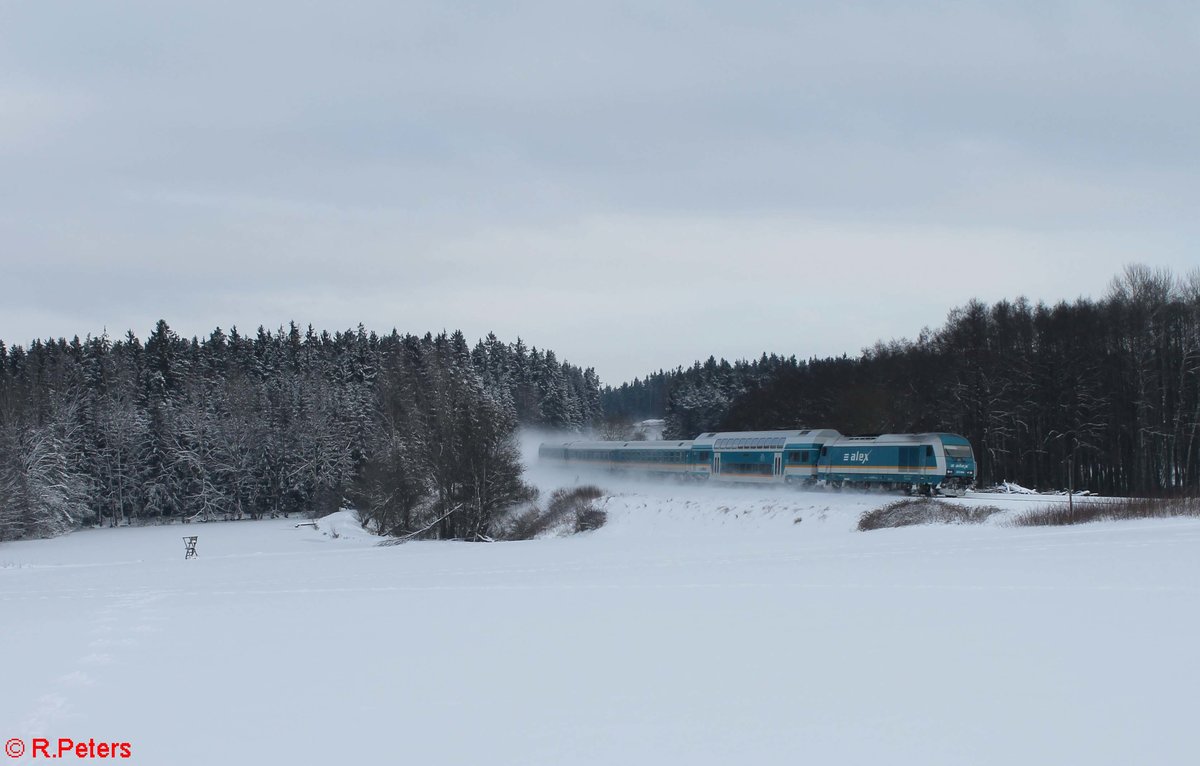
(699, 626)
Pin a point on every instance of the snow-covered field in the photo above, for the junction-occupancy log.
(700, 626)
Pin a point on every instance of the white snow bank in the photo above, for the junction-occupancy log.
(1013, 488)
(343, 525)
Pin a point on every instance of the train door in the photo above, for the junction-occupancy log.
(716, 462)
(778, 464)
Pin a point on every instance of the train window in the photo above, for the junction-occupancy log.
(749, 468)
(804, 456)
(929, 450)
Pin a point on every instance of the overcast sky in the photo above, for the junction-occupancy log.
(634, 185)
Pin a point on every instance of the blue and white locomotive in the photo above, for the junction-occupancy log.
(924, 463)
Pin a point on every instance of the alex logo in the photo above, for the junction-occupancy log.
(855, 457)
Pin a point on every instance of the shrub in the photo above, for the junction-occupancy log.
(1109, 510)
(912, 511)
(567, 506)
(590, 519)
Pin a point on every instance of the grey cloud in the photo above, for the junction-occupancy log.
(351, 157)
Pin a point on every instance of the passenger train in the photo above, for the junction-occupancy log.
(921, 463)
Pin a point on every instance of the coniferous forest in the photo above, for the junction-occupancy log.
(418, 433)
(1094, 394)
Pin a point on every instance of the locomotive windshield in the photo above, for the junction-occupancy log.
(959, 451)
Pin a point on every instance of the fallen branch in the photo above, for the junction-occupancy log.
(423, 530)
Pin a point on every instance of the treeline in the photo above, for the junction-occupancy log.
(1097, 394)
(418, 432)
(695, 399)
(690, 399)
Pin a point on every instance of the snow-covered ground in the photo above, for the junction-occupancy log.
(700, 626)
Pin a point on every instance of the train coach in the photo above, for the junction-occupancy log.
(924, 463)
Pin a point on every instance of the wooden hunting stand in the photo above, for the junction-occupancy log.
(190, 542)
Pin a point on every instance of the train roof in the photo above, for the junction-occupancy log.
(761, 440)
(764, 439)
(924, 438)
(673, 444)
